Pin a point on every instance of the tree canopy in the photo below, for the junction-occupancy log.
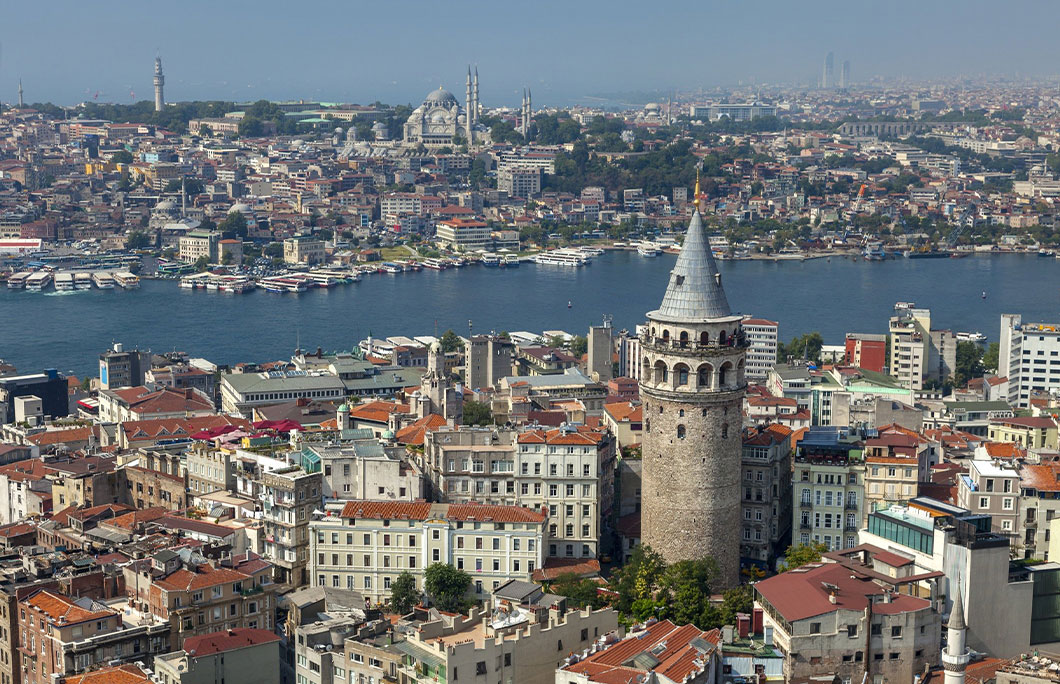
(450, 342)
(477, 413)
(807, 346)
(648, 587)
(802, 554)
(969, 363)
(403, 593)
(446, 586)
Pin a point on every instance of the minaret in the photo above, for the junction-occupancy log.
(468, 116)
(21, 102)
(160, 80)
(522, 115)
(955, 658)
(692, 386)
(529, 112)
(476, 107)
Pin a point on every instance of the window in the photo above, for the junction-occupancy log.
(815, 628)
(984, 502)
(852, 630)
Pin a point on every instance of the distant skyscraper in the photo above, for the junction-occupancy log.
(160, 80)
(828, 75)
(844, 75)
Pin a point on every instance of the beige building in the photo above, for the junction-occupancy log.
(198, 243)
(210, 469)
(303, 249)
(570, 471)
(290, 496)
(889, 480)
(365, 545)
(464, 235)
(235, 656)
(993, 489)
(828, 489)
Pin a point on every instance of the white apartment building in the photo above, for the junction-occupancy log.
(570, 471)
(762, 337)
(992, 489)
(1029, 358)
(919, 353)
(828, 490)
(365, 545)
(466, 235)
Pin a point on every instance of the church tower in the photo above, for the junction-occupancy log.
(160, 81)
(692, 384)
(955, 658)
(437, 393)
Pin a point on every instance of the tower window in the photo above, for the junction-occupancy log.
(681, 413)
(704, 338)
(666, 334)
(724, 430)
(680, 431)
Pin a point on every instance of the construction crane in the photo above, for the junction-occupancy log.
(861, 194)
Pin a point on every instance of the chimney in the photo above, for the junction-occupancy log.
(743, 625)
(726, 634)
(756, 621)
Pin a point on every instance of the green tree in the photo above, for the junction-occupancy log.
(234, 226)
(969, 363)
(808, 347)
(202, 263)
(403, 593)
(579, 345)
(251, 127)
(637, 580)
(736, 600)
(138, 239)
(450, 342)
(192, 186)
(477, 413)
(685, 593)
(991, 358)
(581, 591)
(446, 586)
(274, 250)
(801, 554)
(122, 157)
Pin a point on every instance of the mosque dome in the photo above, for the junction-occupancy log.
(166, 205)
(652, 107)
(438, 117)
(344, 408)
(379, 126)
(440, 98)
(240, 207)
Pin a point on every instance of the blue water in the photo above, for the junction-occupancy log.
(834, 297)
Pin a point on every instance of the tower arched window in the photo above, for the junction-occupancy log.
(683, 337)
(666, 334)
(680, 431)
(661, 372)
(681, 413)
(724, 374)
(724, 430)
(704, 338)
(681, 371)
(647, 425)
(703, 376)
(721, 338)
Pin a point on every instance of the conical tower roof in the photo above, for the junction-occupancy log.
(957, 613)
(695, 292)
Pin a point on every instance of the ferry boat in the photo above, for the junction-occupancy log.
(874, 251)
(413, 265)
(64, 282)
(491, 260)
(127, 280)
(82, 281)
(18, 280)
(436, 264)
(457, 262)
(647, 249)
(976, 337)
(510, 261)
(195, 281)
(236, 284)
(591, 251)
(103, 280)
(38, 281)
(389, 267)
(321, 279)
(283, 284)
(562, 257)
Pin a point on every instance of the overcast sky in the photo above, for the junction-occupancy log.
(395, 51)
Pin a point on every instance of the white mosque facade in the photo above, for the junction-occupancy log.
(441, 121)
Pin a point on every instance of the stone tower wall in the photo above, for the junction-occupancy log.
(691, 485)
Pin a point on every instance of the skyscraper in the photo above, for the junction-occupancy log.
(828, 75)
(844, 75)
(692, 384)
(160, 80)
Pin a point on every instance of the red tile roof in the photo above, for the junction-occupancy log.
(799, 594)
(671, 645)
(415, 433)
(484, 513)
(205, 576)
(387, 510)
(56, 606)
(1044, 478)
(123, 674)
(220, 642)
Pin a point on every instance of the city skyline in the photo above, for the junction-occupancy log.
(224, 54)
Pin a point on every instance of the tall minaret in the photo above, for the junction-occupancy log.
(477, 107)
(955, 658)
(522, 114)
(692, 386)
(468, 115)
(160, 80)
(529, 112)
(21, 102)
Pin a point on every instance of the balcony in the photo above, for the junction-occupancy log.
(851, 505)
(805, 503)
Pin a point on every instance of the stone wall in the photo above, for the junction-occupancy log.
(691, 484)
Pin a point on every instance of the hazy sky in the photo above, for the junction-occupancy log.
(397, 51)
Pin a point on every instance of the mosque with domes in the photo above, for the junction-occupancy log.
(440, 121)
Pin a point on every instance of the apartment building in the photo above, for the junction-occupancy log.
(1029, 358)
(828, 488)
(210, 469)
(570, 470)
(918, 353)
(1039, 505)
(762, 338)
(60, 635)
(1039, 432)
(289, 497)
(766, 500)
(365, 545)
(303, 249)
(830, 619)
(991, 488)
(238, 655)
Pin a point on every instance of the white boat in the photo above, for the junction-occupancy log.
(64, 282)
(236, 284)
(436, 264)
(127, 280)
(82, 281)
(970, 337)
(283, 284)
(195, 281)
(38, 281)
(510, 261)
(591, 251)
(18, 280)
(323, 279)
(647, 249)
(490, 260)
(562, 257)
(103, 280)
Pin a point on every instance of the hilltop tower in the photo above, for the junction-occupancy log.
(692, 384)
(160, 81)
(955, 658)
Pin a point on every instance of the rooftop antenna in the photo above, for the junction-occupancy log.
(469, 327)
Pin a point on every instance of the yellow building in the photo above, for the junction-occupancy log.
(1030, 433)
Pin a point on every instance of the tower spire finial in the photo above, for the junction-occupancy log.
(695, 196)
